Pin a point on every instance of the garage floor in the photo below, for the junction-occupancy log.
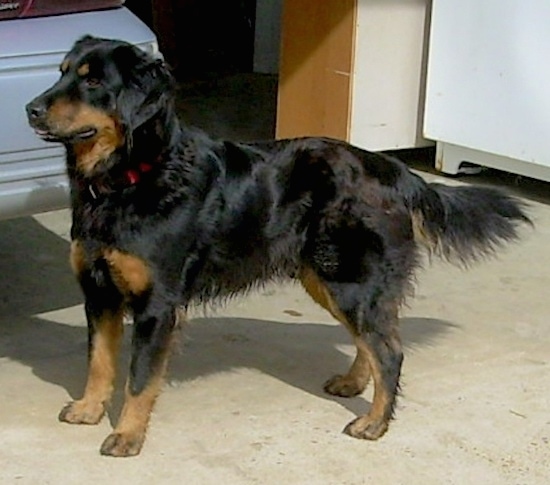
(244, 401)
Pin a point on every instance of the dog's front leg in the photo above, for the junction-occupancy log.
(153, 330)
(105, 332)
(104, 314)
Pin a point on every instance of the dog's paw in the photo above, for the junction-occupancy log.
(82, 412)
(122, 444)
(344, 386)
(366, 428)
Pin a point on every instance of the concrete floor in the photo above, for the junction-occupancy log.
(244, 401)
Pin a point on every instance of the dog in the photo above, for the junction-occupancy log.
(163, 216)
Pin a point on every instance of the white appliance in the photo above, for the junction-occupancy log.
(488, 85)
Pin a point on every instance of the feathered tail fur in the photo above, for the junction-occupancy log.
(465, 223)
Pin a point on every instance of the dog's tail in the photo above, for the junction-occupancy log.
(464, 223)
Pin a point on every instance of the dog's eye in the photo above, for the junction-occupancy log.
(92, 82)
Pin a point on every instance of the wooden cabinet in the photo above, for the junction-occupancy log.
(354, 70)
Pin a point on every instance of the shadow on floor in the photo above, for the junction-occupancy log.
(36, 275)
(302, 355)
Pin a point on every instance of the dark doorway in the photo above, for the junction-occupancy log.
(202, 36)
(209, 45)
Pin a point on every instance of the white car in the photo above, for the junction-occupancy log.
(32, 172)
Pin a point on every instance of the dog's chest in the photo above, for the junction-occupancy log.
(108, 266)
(128, 272)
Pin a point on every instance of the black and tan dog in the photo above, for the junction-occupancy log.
(164, 216)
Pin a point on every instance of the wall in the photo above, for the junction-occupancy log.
(267, 36)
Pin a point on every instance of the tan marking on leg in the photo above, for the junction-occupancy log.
(128, 436)
(129, 273)
(357, 378)
(77, 257)
(375, 423)
(321, 294)
(101, 372)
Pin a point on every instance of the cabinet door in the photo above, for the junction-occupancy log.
(316, 68)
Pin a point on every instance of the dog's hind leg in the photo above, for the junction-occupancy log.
(379, 353)
(151, 342)
(355, 381)
(385, 357)
(358, 376)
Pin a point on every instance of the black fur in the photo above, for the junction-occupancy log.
(210, 219)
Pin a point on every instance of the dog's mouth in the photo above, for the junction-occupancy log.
(75, 136)
(46, 135)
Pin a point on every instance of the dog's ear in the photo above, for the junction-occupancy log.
(86, 39)
(147, 86)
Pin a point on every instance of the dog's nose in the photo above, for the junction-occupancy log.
(35, 110)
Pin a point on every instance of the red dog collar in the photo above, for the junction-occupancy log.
(134, 175)
(131, 177)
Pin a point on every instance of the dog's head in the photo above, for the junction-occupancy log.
(106, 91)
